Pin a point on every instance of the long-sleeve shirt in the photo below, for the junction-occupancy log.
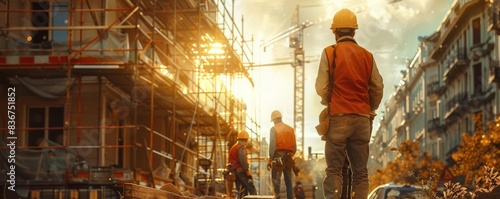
(272, 143)
(242, 155)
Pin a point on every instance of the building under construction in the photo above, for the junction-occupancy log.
(103, 92)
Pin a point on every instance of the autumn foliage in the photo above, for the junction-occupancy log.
(478, 150)
(410, 167)
(476, 158)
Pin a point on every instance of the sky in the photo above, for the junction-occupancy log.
(389, 31)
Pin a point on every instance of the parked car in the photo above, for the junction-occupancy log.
(396, 191)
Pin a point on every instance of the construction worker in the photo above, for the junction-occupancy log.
(298, 191)
(351, 87)
(240, 166)
(282, 148)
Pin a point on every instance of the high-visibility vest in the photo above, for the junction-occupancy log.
(352, 73)
(234, 157)
(285, 137)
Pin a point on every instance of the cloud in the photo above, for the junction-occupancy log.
(389, 31)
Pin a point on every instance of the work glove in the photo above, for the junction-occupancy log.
(269, 165)
(296, 170)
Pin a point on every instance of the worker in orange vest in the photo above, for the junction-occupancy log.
(282, 148)
(351, 87)
(239, 166)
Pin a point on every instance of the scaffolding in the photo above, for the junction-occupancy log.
(139, 84)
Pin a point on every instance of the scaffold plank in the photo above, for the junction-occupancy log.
(134, 191)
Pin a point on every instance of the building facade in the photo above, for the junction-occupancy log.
(453, 76)
(121, 85)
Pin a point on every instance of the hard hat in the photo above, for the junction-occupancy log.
(344, 18)
(275, 114)
(243, 135)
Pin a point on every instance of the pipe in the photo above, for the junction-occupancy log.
(78, 135)
(67, 116)
(81, 21)
(136, 75)
(152, 96)
(75, 10)
(8, 15)
(99, 118)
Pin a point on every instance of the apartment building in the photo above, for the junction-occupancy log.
(453, 76)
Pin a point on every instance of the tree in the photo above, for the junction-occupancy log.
(409, 168)
(478, 150)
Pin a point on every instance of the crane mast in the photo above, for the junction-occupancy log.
(296, 39)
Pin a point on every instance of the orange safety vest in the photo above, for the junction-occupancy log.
(285, 137)
(352, 73)
(233, 156)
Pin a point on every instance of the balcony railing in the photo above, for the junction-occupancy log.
(406, 120)
(494, 76)
(479, 98)
(435, 126)
(434, 90)
(456, 106)
(456, 64)
(493, 16)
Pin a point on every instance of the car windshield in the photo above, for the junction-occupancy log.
(405, 193)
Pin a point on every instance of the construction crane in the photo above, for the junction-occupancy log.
(295, 32)
(296, 36)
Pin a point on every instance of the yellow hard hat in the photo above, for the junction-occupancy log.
(243, 135)
(344, 18)
(275, 114)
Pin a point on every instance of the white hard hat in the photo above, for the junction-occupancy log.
(275, 114)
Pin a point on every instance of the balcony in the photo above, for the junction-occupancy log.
(480, 50)
(494, 76)
(494, 17)
(455, 65)
(456, 106)
(479, 98)
(405, 122)
(435, 128)
(434, 90)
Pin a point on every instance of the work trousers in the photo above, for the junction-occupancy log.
(348, 135)
(244, 185)
(276, 176)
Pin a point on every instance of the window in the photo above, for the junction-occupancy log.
(476, 31)
(464, 50)
(45, 123)
(478, 83)
(40, 18)
(60, 18)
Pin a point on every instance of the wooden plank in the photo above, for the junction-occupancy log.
(258, 197)
(134, 191)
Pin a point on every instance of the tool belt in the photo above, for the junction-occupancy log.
(229, 173)
(282, 160)
(324, 124)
